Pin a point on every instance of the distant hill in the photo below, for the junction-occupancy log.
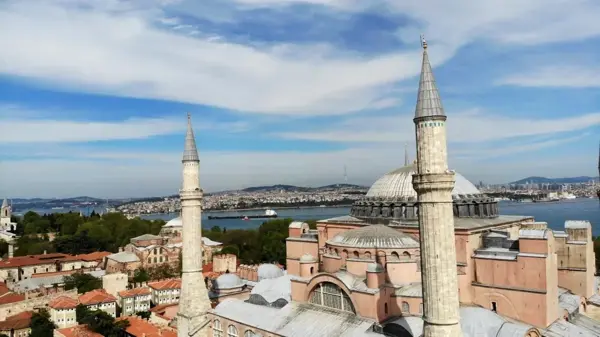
(544, 180)
(292, 188)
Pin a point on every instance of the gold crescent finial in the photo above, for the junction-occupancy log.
(423, 41)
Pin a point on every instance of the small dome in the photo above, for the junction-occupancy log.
(175, 222)
(374, 236)
(398, 184)
(374, 268)
(307, 258)
(228, 281)
(269, 271)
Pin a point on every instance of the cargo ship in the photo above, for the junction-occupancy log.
(269, 213)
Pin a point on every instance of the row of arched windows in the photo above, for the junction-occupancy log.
(232, 331)
(158, 260)
(366, 255)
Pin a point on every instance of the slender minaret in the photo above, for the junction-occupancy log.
(193, 303)
(434, 183)
(405, 154)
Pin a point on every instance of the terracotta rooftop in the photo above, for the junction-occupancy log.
(166, 284)
(3, 289)
(77, 331)
(141, 328)
(56, 273)
(135, 292)
(19, 321)
(11, 298)
(163, 312)
(96, 297)
(32, 260)
(63, 302)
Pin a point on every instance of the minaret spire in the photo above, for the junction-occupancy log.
(405, 154)
(434, 184)
(190, 153)
(194, 303)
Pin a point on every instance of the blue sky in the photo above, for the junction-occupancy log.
(94, 94)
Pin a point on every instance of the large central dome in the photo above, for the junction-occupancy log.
(398, 184)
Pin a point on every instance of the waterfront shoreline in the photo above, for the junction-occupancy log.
(247, 209)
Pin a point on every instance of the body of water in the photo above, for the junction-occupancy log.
(554, 213)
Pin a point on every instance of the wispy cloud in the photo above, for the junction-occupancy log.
(124, 55)
(23, 126)
(471, 126)
(569, 76)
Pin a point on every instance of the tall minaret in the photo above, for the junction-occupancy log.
(405, 154)
(193, 302)
(434, 183)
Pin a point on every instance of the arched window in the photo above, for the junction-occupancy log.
(405, 307)
(406, 255)
(345, 254)
(217, 331)
(331, 296)
(355, 254)
(395, 256)
(155, 259)
(336, 252)
(312, 270)
(367, 255)
(385, 308)
(249, 333)
(232, 331)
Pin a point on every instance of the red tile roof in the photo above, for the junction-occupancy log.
(166, 284)
(3, 289)
(32, 260)
(135, 292)
(18, 321)
(78, 331)
(11, 298)
(96, 297)
(63, 302)
(141, 328)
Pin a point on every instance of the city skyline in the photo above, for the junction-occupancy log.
(282, 97)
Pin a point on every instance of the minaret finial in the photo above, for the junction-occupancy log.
(190, 152)
(429, 103)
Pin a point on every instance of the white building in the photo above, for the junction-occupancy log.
(134, 300)
(63, 311)
(99, 299)
(165, 292)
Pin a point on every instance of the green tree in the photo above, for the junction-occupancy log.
(3, 248)
(81, 313)
(104, 324)
(143, 314)
(82, 282)
(41, 325)
(141, 275)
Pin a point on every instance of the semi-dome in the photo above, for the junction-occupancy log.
(398, 184)
(374, 236)
(269, 271)
(228, 281)
(307, 258)
(374, 267)
(175, 222)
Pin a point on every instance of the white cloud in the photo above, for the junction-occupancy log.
(471, 126)
(123, 54)
(573, 76)
(458, 22)
(25, 126)
(125, 174)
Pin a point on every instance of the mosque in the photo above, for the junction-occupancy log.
(425, 253)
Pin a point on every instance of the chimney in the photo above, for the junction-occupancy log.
(120, 249)
(45, 252)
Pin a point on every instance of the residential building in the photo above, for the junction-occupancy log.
(166, 291)
(17, 325)
(63, 311)
(99, 299)
(134, 300)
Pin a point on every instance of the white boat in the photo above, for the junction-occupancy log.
(270, 212)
